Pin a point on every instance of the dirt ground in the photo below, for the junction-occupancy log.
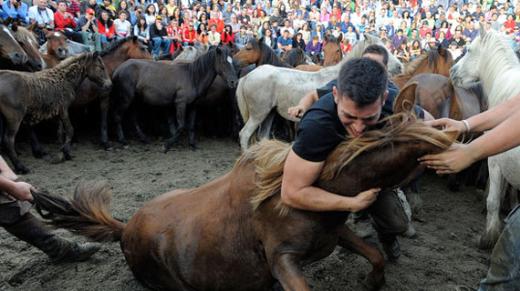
(443, 255)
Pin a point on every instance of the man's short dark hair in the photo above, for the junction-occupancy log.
(363, 80)
(377, 50)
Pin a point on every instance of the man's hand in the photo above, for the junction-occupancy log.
(364, 199)
(296, 111)
(448, 124)
(22, 191)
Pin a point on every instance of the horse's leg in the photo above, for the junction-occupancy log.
(37, 149)
(285, 268)
(11, 129)
(140, 134)
(104, 104)
(250, 127)
(349, 240)
(181, 119)
(495, 193)
(192, 114)
(69, 132)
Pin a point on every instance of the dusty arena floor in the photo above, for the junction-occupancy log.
(443, 255)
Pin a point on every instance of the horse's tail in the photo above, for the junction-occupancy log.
(86, 214)
(241, 100)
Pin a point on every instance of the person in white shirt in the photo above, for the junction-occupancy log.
(213, 36)
(122, 26)
(43, 17)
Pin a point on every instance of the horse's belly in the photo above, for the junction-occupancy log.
(509, 163)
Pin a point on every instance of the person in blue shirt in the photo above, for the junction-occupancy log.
(15, 9)
(284, 42)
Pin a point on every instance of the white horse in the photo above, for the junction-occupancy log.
(268, 87)
(490, 60)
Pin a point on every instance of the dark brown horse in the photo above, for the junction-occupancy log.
(258, 53)
(438, 61)
(234, 233)
(29, 43)
(174, 86)
(33, 97)
(57, 49)
(12, 55)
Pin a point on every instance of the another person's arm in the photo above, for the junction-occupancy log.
(504, 135)
(18, 190)
(6, 171)
(304, 104)
(298, 192)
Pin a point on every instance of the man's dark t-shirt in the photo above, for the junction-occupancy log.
(320, 129)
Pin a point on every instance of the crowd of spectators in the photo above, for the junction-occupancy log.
(408, 28)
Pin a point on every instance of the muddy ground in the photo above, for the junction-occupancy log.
(443, 255)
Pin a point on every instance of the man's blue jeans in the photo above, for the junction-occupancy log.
(504, 272)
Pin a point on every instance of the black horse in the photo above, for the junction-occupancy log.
(169, 85)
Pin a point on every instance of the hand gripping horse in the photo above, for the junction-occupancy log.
(234, 233)
(491, 60)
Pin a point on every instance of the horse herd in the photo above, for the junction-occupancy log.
(219, 241)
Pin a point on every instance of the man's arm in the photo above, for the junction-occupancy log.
(298, 192)
(304, 104)
(6, 171)
(18, 190)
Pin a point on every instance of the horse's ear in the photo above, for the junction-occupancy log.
(482, 30)
(405, 101)
(95, 55)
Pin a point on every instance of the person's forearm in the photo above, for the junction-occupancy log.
(316, 199)
(309, 99)
(6, 185)
(503, 137)
(6, 171)
(494, 116)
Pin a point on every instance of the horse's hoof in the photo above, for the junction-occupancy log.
(39, 154)
(145, 140)
(106, 146)
(60, 158)
(21, 170)
(193, 147)
(67, 156)
(488, 240)
(372, 282)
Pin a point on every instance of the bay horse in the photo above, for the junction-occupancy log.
(490, 60)
(57, 49)
(113, 56)
(12, 55)
(234, 233)
(169, 85)
(294, 57)
(29, 43)
(34, 97)
(269, 88)
(437, 61)
(331, 55)
(257, 52)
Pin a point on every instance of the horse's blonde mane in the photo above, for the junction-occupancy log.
(269, 156)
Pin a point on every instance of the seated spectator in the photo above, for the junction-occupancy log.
(92, 4)
(398, 39)
(122, 26)
(269, 39)
(106, 28)
(213, 35)
(346, 46)
(89, 30)
(109, 8)
(43, 17)
(175, 35)
(241, 37)
(227, 35)
(189, 35)
(297, 41)
(159, 38)
(15, 9)
(64, 22)
(202, 34)
(314, 46)
(141, 30)
(415, 50)
(284, 42)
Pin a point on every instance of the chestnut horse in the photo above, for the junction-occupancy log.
(438, 61)
(57, 49)
(234, 233)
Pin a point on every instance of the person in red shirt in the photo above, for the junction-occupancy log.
(510, 24)
(64, 22)
(227, 36)
(106, 28)
(189, 36)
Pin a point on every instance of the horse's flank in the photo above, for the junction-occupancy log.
(269, 155)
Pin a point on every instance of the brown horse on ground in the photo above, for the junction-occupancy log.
(234, 233)
(57, 49)
(12, 55)
(34, 97)
(437, 61)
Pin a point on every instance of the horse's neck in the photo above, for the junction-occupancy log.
(270, 58)
(71, 75)
(114, 60)
(202, 79)
(332, 71)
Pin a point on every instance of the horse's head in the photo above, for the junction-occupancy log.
(10, 49)
(57, 45)
(136, 49)
(97, 72)
(30, 45)
(465, 73)
(224, 66)
(383, 158)
(250, 53)
(331, 53)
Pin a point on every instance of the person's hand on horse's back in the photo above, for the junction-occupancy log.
(448, 124)
(296, 111)
(364, 199)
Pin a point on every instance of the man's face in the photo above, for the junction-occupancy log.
(42, 3)
(356, 119)
(62, 7)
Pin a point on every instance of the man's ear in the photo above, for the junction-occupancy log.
(335, 93)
